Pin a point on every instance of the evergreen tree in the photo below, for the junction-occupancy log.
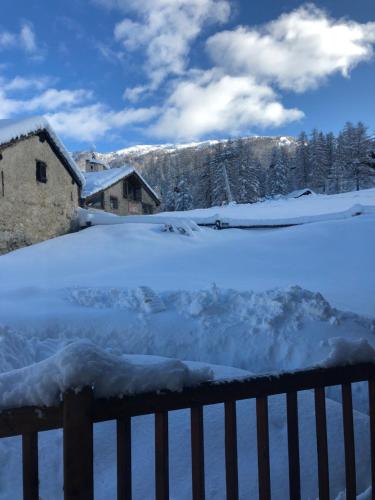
(278, 172)
(317, 161)
(302, 170)
(249, 174)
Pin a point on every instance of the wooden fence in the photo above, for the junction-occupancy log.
(78, 412)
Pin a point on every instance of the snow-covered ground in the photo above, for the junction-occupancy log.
(286, 210)
(258, 300)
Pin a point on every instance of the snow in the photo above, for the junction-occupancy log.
(122, 294)
(12, 129)
(98, 162)
(301, 192)
(97, 181)
(42, 383)
(284, 210)
(144, 149)
(350, 352)
(94, 217)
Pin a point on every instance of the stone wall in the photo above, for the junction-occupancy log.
(31, 211)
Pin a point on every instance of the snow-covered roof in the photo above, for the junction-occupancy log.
(12, 130)
(98, 181)
(300, 192)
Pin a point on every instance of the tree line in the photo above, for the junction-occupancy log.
(244, 171)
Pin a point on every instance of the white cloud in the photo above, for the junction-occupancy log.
(25, 40)
(68, 110)
(20, 83)
(89, 123)
(42, 98)
(48, 100)
(166, 29)
(53, 99)
(297, 51)
(211, 102)
(7, 39)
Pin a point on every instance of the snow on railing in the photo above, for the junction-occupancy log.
(79, 410)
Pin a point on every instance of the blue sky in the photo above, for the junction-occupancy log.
(113, 73)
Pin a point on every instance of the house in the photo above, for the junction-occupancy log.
(94, 165)
(122, 191)
(40, 184)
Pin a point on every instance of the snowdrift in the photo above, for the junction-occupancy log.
(284, 211)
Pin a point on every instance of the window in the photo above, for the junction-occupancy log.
(41, 171)
(113, 202)
(132, 189)
(147, 208)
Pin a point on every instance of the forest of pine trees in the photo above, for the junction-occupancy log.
(249, 169)
(231, 171)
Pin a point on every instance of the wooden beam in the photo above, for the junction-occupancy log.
(161, 456)
(124, 459)
(78, 445)
(322, 443)
(231, 465)
(264, 476)
(30, 466)
(197, 453)
(293, 446)
(347, 412)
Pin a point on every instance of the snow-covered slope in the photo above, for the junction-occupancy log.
(143, 149)
(259, 300)
(285, 210)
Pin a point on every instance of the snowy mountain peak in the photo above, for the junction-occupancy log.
(144, 149)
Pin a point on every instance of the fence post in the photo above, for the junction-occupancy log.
(78, 445)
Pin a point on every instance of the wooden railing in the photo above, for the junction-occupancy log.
(79, 411)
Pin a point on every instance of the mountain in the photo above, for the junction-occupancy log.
(188, 170)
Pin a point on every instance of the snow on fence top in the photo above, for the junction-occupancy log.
(42, 383)
(12, 130)
(97, 181)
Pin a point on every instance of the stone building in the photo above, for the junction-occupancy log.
(40, 184)
(94, 165)
(122, 191)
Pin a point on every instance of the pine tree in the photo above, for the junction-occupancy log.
(301, 167)
(183, 198)
(249, 175)
(220, 187)
(278, 172)
(317, 160)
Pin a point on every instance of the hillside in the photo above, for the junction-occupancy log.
(183, 174)
(249, 169)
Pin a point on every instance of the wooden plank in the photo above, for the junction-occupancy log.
(30, 466)
(322, 443)
(293, 446)
(124, 464)
(197, 453)
(264, 475)
(213, 392)
(29, 419)
(371, 399)
(161, 456)
(78, 445)
(347, 412)
(231, 465)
